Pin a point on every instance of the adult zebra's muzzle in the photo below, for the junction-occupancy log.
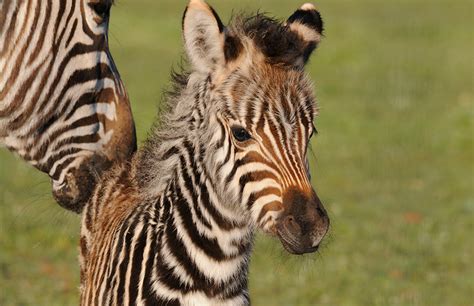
(111, 141)
(304, 222)
(79, 183)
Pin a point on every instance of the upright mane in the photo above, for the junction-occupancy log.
(274, 39)
(154, 167)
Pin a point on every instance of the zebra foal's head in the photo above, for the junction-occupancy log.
(253, 117)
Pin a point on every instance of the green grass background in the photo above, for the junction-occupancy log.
(394, 159)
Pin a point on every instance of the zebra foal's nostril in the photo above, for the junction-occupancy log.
(321, 212)
(291, 224)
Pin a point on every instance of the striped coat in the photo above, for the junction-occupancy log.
(63, 107)
(175, 226)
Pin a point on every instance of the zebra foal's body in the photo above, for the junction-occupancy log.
(63, 107)
(150, 257)
(175, 225)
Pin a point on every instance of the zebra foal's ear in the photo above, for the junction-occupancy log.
(307, 23)
(204, 37)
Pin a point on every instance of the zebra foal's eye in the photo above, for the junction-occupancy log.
(100, 8)
(240, 134)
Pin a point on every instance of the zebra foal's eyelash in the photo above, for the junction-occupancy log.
(102, 9)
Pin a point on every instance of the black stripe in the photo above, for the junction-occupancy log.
(178, 250)
(158, 301)
(148, 295)
(71, 34)
(238, 163)
(189, 186)
(137, 263)
(61, 166)
(220, 142)
(209, 246)
(222, 222)
(168, 277)
(169, 153)
(122, 268)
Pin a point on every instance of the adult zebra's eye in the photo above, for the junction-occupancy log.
(240, 134)
(101, 9)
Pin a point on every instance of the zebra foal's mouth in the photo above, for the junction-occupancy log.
(293, 245)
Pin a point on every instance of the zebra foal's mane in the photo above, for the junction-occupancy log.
(280, 47)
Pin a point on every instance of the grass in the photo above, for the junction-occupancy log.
(394, 160)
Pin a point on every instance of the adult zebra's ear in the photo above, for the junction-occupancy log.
(204, 36)
(307, 23)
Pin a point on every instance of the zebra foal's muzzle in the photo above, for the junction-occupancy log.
(304, 222)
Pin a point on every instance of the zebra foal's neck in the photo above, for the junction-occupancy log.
(179, 248)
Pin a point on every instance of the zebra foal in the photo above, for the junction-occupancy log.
(176, 225)
(63, 107)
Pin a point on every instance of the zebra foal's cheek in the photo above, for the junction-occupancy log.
(262, 195)
(268, 215)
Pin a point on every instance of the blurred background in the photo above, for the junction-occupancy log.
(393, 161)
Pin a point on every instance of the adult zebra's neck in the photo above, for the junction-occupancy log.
(63, 107)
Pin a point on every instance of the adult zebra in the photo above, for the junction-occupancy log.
(175, 226)
(63, 107)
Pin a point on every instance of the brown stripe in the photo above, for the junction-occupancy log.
(272, 206)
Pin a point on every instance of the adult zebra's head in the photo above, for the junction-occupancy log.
(259, 103)
(63, 106)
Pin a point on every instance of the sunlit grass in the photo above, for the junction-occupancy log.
(394, 160)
